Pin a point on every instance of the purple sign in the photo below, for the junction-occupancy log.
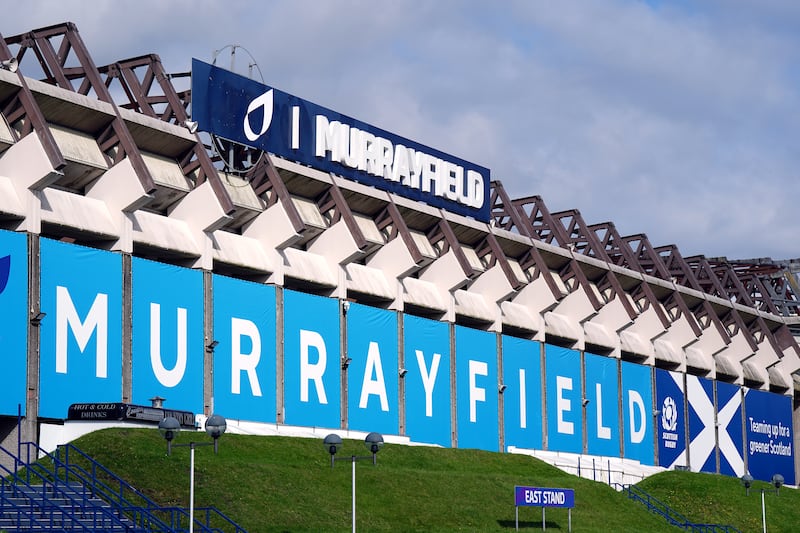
(543, 497)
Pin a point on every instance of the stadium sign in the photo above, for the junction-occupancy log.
(245, 111)
(543, 497)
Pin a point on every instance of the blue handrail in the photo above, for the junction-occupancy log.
(177, 515)
(23, 499)
(673, 517)
(71, 475)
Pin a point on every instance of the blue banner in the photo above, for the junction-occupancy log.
(670, 419)
(476, 389)
(427, 359)
(168, 337)
(312, 360)
(250, 113)
(14, 326)
(564, 417)
(602, 411)
(769, 433)
(373, 370)
(522, 399)
(81, 336)
(244, 358)
(637, 412)
(702, 439)
(729, 429)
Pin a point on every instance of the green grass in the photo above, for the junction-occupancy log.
(283, 484)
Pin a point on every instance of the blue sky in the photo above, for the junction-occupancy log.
(680, 120)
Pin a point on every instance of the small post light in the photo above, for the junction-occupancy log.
(169, 427)
(777, 482)
(215, 427)
(374, 443)
(332, 444)
(747, 481)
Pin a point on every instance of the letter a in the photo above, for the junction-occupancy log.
(375, 386)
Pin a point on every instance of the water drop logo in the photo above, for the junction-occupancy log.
(669, 414)
(264, 103)
(5, 271)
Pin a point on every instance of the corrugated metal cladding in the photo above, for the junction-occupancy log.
(133, 265)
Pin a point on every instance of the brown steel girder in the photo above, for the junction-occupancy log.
(22, 109)
(53, 63)
(139, 90)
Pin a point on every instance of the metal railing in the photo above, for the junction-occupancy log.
(673, 517)
(38, 500)
(73, 485)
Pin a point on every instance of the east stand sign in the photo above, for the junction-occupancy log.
(543, 497)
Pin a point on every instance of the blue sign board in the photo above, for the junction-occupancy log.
(244, 358)
(245, 111)
(427, 359)
(312, 384)
(373, 371)
(81, 336)
(168, 340)
(770, 437)
(670, 419)
(476, 389)
(14, 326)
(522, 399)
(637, 412)
(702, 429)
(544, 497)
(602, 411)
(729, 430)
(564, 410)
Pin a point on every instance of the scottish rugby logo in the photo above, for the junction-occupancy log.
(669, 414)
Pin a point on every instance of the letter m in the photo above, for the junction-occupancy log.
(96, 320)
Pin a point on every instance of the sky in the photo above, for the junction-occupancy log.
(676, 119)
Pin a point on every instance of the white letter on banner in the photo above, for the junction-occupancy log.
(168, 378)
(453, 180)
(428, 379)
(474, 189)
(315, 371)
(328, 138)
(432, 175)
(635, 400)
(96, 320)
(603, 432)
(244, 361)
(562, 405)
(523, 412)
(400, 166)
(375, 386)
(476, 394)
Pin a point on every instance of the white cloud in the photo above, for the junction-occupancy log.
(680, 121)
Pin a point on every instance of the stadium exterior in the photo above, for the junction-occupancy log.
(133, 266)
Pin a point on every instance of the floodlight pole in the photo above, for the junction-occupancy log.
(373, 442)
(192, 445)
(353, 459)
(215, 427)
(354, 493)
